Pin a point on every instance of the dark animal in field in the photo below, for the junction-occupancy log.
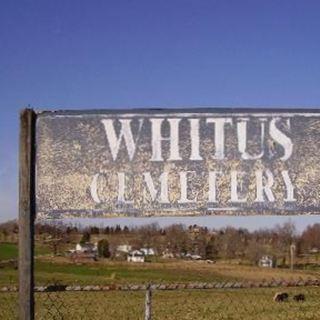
(56, 287)
(280, 297)
(299, 297)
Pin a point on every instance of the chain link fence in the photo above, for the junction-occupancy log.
(228, 300)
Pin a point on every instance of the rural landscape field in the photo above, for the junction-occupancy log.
(195, 260)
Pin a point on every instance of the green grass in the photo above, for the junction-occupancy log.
(248, 304)
(116, 273)
(46, 272)
(8, 251)
(40, 250)
(59, 269)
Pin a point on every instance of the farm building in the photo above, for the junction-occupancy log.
(136, 256)
(148, 251)
(84, 252)
(87, 247)
(266, 262)
(167, 254)
(193, 256)
(124, 248)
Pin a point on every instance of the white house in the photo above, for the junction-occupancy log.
(167, 254)
(136, 256)
(266, 262)
(125, 248)
(193, 256)
(87, 247)
(148, 251)
(86, 251)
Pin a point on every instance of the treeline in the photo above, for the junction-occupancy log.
(179, 240)
(226, 243)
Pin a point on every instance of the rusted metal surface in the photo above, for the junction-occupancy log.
(165, 162)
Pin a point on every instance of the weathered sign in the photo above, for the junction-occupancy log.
(166, 162)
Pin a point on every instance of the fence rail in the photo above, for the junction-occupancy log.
(214, 300)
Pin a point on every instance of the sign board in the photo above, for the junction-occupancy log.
(177, 162)
(162, 162)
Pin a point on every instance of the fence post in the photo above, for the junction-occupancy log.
(26, 213)
(292, 253)
(148, 304)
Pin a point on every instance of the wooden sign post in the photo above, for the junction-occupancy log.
(27, 212)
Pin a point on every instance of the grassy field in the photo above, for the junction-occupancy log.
(170, 305)
(48, 270)
(8, 251)
(51, 269)
(250, 304)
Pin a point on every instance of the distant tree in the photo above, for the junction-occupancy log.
(15, 229)
(254, 251)
(199, 245)
(5, 232)
(286, 235)
(147, 234)
(231, 242)
(106, 230)
(211, 248)
(58, 240)
(85, 237)
(103, 248)
(55, 245)
(178, 241)
(94, 230)
(162, 232)
(310, 238)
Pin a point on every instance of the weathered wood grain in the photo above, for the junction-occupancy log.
(26, 213)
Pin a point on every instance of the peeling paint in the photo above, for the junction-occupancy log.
(161, 163)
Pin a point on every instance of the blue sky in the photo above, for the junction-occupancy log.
(123, 54)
